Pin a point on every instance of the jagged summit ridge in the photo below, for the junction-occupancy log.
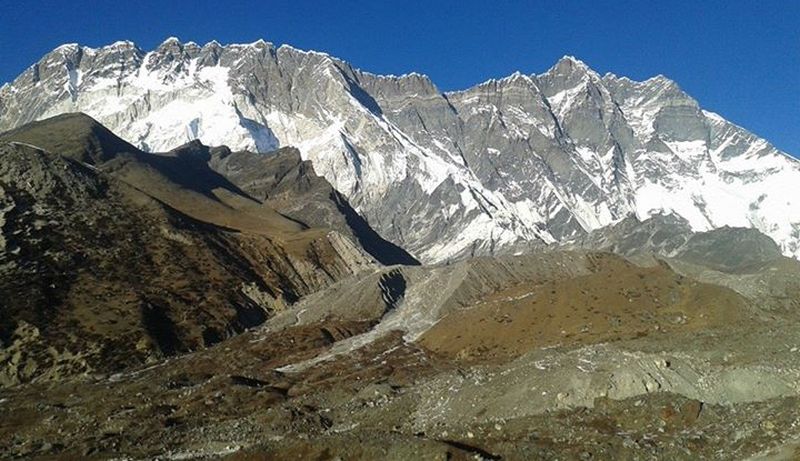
(527, 158)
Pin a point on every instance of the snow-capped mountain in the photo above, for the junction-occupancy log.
(526, 158)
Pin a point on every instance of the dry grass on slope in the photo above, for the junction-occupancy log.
(617, 301)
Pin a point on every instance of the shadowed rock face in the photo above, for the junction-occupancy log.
(112, 256)
(731, 250)
(544, 157)
(287, 183)
(727, 249)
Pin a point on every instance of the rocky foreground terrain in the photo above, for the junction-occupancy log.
(209, 304)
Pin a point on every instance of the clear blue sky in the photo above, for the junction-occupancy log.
(738, 58)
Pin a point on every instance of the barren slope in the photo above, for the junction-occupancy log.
(106, 265)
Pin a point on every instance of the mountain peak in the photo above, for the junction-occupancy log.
(67, 47)
(171, 41)
(121, 44)
(67, 51)
(568, 58)
(171, 46)
(517, 78)
(261, 43)
(570, 68)
(571, 63)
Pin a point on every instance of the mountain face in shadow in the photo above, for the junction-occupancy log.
(287, 183)
(112, 256)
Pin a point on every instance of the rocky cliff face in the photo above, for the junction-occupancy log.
(526, 158)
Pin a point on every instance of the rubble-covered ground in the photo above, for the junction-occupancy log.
(687, 377)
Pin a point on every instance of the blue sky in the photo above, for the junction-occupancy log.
(738, 58)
